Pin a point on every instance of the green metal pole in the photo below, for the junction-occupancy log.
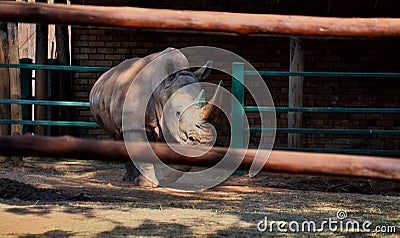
(237, 125)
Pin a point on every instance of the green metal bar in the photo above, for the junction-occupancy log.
(345, 151)
(49, 123)
(237, 110)
(246, 108)
(45, 102)
(263, 73)
(327, 131)
(321, 109)
(55, 67)
(324, 74)
(339, 151)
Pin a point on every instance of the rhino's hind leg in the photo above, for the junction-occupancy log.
(131, 172)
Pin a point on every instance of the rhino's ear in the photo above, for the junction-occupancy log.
(204, 71)
(170, 67)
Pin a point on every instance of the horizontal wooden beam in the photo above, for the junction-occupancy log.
(281, 161)
(198, 20)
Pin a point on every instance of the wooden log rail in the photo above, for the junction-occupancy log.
(281, 161)
(198, 20)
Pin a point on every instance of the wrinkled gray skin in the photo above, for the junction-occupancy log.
(107, 100)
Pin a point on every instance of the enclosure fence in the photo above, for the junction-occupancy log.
(238, 90)
(26, 121)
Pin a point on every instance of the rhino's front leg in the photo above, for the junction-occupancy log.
(147, 177)
(144, 174)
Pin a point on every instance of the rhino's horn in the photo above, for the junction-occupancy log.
(212, 107)
(200, 99)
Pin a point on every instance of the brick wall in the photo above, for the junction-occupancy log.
(100, 46)
(352, 56)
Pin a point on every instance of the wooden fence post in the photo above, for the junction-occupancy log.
(41, 75)
(4, 79)
(15, 80)
(295, 119)
(65, 77)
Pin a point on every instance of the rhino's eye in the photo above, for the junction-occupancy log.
(178, 113)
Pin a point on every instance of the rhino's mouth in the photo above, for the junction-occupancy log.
(190, 138)
(202, 134)
(193, 139)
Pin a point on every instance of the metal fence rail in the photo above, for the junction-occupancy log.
(45, 102)
(47, 122)
(325, 74)
(48, 102)
(55, 67)
(392, 153)
(327, 131)
(368, 110)
(238, 77)
(238, 90)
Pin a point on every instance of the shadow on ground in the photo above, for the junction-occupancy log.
(91, 200)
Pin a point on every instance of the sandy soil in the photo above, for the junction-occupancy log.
(53, 198)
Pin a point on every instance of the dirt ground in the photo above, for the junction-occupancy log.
(63, 198)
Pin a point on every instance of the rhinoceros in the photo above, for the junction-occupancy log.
(108, 95)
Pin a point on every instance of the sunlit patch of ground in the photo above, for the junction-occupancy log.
(89, 199)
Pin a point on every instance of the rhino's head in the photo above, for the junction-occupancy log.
(186, 114)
